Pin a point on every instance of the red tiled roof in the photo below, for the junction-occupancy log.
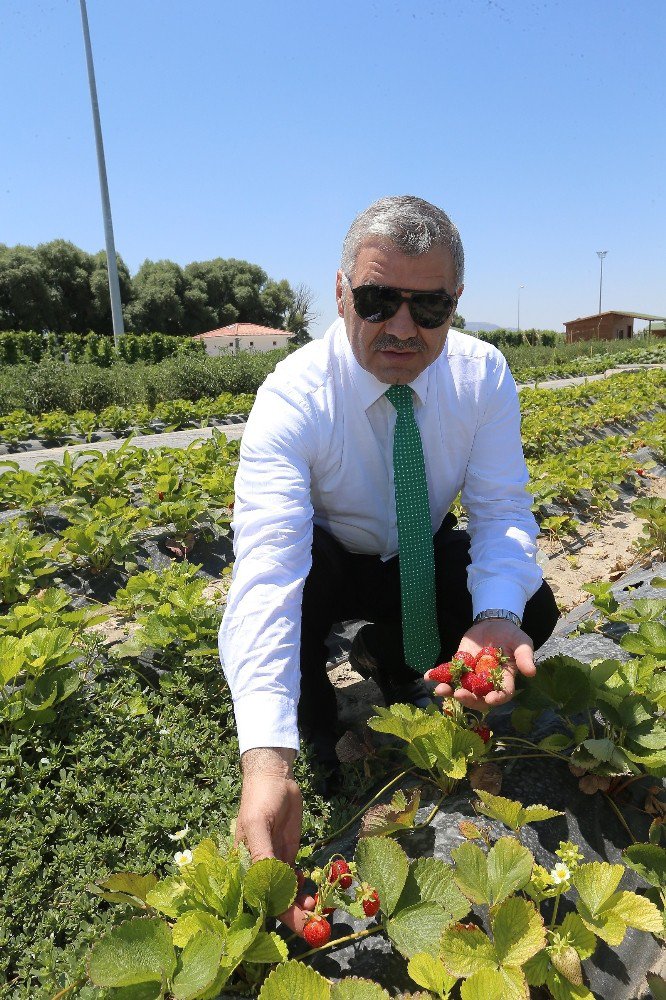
(243, 330)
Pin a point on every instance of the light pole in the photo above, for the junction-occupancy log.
(601, 254)
(519, 288)
(114, 284)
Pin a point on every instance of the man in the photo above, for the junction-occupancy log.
(331, 473)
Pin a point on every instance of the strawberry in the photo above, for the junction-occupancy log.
(326, 910)
(370, 902)
(442, 674)
(483, 732)
(467, 658)
(487, 658)
(483, 682)
(340, 873)
(640, 472)
(317, 931)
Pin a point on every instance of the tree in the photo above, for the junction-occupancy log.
(458, 322)
(300, 315)
(158, 304)
(24, 292)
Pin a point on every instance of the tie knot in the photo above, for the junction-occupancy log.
(401, 397)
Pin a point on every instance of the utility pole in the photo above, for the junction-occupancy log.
(519, 287)
(114, 284)
(600, 254)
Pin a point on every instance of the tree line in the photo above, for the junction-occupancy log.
(58, 288)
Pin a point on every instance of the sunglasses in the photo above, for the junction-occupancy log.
(377, 303)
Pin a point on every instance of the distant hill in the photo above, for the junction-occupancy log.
(483, 327)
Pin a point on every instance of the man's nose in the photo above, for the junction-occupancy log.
(402, 325)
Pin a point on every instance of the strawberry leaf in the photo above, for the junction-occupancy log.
(383, 864)
(353, 988)
(465, 951)
(649, 861)
(518, 931)
(509, 868)
(294, 979)
(495, 984)
(135, 952)
(596, 882)
(513, 814)
(270, 886)
(418, 928)
(471, 872)
(430, 973)
(200, 962)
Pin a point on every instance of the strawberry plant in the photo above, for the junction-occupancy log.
(653, 537)
(35, 675)
(28, 491)
(25, 560)
(104, 534)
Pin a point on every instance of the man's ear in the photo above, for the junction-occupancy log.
(339, 293)
(459, 291)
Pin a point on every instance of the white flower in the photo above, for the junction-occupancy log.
(179, 834)
(560, 873)
(183, 858)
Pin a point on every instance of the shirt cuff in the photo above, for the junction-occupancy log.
(266, 720)
(499, 594)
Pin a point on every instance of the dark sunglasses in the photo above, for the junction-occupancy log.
(377, 303)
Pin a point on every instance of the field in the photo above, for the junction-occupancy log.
(117, 742)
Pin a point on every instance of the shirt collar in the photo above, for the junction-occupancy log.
(369, 388)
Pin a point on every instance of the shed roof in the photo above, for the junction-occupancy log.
(614, 312)
(243, 330)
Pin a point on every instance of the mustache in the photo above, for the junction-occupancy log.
(388, 343)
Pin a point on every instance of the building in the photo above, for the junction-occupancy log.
(243, 337)
(608, 326)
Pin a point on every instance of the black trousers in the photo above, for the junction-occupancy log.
(343, 586)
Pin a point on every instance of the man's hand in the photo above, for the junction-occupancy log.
(515, 644)
(270, 814)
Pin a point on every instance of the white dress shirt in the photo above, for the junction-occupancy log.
(318, 449)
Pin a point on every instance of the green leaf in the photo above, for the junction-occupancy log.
(557, 741)
(383, 864)
(267, 947)
(578, 936)
(130, 884)
(562, 989)
(168, 896)
(431, 880)
(509, 868)
(518, 931)
(191, 922)
(136, 951)
(495, 984)
(270, 886)
(200, 961)
(636, 911)
(465, 951)
(430, 973)
(398, 814)
(649, 861)
(596, 882)
(471, 872)
(537, 968)
(294, 980)
(143, 991)
(657, 986)
(512, 813)
(418, 928)
(353, 988)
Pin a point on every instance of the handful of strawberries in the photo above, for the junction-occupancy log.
(333, 882)
(479, 674)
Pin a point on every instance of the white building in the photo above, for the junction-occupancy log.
(243, 337)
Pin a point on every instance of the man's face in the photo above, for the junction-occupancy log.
(396, 350)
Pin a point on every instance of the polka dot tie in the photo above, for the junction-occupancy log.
(416, 553)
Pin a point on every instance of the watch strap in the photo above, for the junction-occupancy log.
(498, 613)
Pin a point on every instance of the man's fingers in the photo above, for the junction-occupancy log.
(295, 918)
(257, 836)
(524, 658)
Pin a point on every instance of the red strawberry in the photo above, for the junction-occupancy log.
(317, 931)
(467, 658)
(487, 658)
(442, 674)
(340, 870)
(483, 682)
(640, 472)
(483, 732)
(325, 909)
(371, 903)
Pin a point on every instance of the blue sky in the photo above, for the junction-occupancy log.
(258, 130)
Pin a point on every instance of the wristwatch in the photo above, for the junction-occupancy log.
(498, 613)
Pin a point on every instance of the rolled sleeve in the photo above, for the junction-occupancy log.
(503, 572)
(259, 637)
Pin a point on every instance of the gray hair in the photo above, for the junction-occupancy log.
(411, 225)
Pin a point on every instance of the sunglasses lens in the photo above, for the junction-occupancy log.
(376, 303)
(430, 311)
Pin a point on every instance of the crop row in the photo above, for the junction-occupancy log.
(59, 427)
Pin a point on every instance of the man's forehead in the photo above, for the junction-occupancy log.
(378, 257)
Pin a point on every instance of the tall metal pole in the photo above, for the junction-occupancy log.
(519, 287)
(114, 284)
(601, 254)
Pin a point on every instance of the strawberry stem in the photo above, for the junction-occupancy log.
(357, 815)
(356, 936)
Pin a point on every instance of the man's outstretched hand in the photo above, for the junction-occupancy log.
(270, 815)
(515, 644)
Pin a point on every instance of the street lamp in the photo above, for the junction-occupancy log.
(601, 254)
(519, 287)
(114, 284)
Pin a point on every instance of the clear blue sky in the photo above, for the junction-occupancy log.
(258, 129)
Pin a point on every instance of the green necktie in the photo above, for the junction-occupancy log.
(416, 553)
